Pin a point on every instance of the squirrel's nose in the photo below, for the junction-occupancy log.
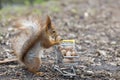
(61, 39)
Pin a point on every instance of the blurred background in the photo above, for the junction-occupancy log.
(94, 24)
(4, 3)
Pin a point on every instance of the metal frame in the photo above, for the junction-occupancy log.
(60, 57)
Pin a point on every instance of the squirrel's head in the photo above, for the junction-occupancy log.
(50, 29)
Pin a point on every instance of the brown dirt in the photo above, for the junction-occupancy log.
(95, 26)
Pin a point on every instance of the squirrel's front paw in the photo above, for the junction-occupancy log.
(58, 42)
(58, 38)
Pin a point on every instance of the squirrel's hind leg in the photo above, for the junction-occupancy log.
(34, 66)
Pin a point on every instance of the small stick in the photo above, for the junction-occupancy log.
(7, 60)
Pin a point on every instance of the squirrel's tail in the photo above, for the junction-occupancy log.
(29, 31)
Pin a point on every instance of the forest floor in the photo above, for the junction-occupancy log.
(95, 26)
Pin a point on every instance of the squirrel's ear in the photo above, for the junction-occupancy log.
(48, 22)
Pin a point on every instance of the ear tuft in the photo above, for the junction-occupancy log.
(48, 22)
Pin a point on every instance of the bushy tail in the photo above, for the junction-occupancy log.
(27, 31)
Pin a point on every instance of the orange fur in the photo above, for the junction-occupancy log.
(33, 37)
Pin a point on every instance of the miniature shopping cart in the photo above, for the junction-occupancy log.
(67, 58)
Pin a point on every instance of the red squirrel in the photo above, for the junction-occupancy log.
(31, 36)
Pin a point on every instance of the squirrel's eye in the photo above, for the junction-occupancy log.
(53, 31)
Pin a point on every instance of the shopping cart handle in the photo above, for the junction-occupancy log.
(72, 40)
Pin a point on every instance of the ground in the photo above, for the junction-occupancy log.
(95, 26)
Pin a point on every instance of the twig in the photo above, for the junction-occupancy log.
(7, 60)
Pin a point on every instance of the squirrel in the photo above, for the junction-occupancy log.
(30, 36)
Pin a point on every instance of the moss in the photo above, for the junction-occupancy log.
(55, 9)
(36, 11)
(39, 1)
(73, 10)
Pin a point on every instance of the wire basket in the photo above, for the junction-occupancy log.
(67, 58)
(67, 53)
